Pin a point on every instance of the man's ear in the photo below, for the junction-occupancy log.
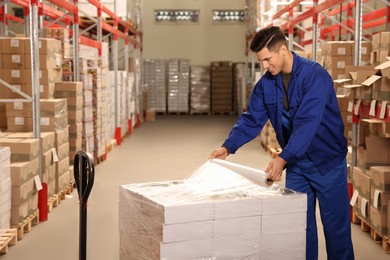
(283, 48)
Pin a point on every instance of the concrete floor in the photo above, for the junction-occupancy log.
(170, 148)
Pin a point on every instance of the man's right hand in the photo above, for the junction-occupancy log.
(219, 153)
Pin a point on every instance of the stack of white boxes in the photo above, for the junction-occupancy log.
(178, 85)
(5, 189)
(86, 78)
(154, 81)
(170, 220)
(200, 89)
(122, 84)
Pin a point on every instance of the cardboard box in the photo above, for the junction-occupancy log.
(378, 221)
(150, 116)
(337, 62)
(63, 151)
(17, 124)
(19, 213)
(75, 117)
(46, 46)
(16, 76)
(53, 107)
(68, 89)
(63, 181)
(13, 61)
(54, 123)
(379, 199)
(337, 73)
(76, 131)
(22, 193)
(376, 154)
(338, 48)
(75, 145)
(343, 103)
(380, 177)
(13, 45)
(46, 61)
(361, 183)
(22, 149)
(47, 159)
(61, 137)
(62, 166)
(46, 91)
(362, 209)
(48, 76)
(359, 74)
(49, 176)
(19, 109)
(366, 48)
(47, 139)
(21, 172)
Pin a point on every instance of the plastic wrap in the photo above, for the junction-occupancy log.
(213, 214)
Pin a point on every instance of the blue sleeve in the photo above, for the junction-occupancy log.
(309, 114)
(250, 123)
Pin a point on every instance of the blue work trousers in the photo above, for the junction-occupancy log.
(331, 190)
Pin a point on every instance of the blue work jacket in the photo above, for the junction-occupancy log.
(318, 129)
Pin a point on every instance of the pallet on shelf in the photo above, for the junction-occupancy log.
(9, 238)
(26, 225)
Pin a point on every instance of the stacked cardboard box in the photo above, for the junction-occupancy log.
(380, 47)
(5, 189)
(366, 50)
(155, 83)
(53, 115)
(337, 55)
(61, 34)
(221, 87)
(87, 80)
(73, 93)
(61, 144)
(178, 85)
(48, 159)
(200, 89)
(24, 168)
(380, 197)
(171, 220)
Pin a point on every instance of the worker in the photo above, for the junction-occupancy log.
(298, 97)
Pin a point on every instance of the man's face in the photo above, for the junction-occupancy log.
(273, 61)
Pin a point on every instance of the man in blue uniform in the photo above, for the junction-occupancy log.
(298, 97)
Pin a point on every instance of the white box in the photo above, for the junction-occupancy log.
(288, 222)
(240, 227)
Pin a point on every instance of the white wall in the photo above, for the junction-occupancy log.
(202, 42)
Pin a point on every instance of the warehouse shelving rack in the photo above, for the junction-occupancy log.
(67, 14)
(350, 28)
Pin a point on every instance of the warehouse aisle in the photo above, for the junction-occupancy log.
(170, 148)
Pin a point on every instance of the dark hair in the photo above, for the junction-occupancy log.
(270, 37)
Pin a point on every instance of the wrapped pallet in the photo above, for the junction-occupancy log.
(214, 214)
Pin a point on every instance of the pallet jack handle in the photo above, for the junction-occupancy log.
(84, 174)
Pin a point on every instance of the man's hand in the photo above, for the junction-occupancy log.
(219, 153)
(275, 169)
